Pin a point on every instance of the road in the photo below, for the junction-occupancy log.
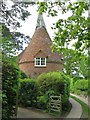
(75, 112)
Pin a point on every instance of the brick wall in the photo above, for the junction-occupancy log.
(34, 71)
(40, 46)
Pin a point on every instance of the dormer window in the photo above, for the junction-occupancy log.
(40, 62)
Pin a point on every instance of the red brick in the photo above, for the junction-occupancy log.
(40, 46)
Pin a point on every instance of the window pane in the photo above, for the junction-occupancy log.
(42, 61)
(37, 61)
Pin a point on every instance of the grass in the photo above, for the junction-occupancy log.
(85, 108)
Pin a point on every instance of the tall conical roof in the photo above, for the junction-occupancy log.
(40, 21)
(40, 45)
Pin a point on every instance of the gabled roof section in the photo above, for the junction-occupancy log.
(40, 21)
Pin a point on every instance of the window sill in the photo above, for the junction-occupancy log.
(39, 66)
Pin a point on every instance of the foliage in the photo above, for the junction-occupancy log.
(70, 30)
(23, 75)
(53, 83)
(28, 92)
(72, 85)
(74, 28)
(75, 64)
(42, 102)
(10, 75)
(12, 12)
(81, 85)
(11, 42)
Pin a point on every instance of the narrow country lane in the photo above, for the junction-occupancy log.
(31, 113)
(75, 112)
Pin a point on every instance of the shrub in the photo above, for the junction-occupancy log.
(54, 83)
(42, 100)
(78, 92)
(23, 75)
(10, 75)
(81, 85)
(28, 92)
(72, 85)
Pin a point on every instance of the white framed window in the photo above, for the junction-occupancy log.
(40, 61)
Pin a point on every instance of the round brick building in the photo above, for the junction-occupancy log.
(38, 56)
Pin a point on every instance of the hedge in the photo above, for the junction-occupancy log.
(23, 75)
(53, 83)
(72, 85)
(28, 92)
(10, 75)
(81, 85)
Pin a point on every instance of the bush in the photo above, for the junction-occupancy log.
(23, 75)
(78, 92)
(53, 83)
(72, 85)
(42, 100)
(81, 85)
(10, 75)
(28, 92)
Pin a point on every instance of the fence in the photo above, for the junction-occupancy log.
(55, 104)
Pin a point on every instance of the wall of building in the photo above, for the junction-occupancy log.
(34, 71)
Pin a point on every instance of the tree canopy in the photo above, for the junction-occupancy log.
(11, 42)
(74, 65)
(75, 28)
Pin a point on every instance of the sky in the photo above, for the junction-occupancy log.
(28, 27)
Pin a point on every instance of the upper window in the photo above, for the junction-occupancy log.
(40, 61)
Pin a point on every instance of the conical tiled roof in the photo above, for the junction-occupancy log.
(40, 42)
(40, 45)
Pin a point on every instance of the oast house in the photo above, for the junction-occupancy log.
(38, 56)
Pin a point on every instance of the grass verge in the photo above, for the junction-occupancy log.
(85, 107)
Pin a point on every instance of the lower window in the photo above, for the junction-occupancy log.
(40, 61)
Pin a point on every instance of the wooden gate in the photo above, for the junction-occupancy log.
(55, 104)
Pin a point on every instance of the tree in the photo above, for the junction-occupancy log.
(12, 41)
(74, 28)
(11, 14)
(10, 76)
(75, 65)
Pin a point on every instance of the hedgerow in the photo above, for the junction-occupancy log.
(53, 83)
(28, 92)
(10, 75)
(81, 87)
